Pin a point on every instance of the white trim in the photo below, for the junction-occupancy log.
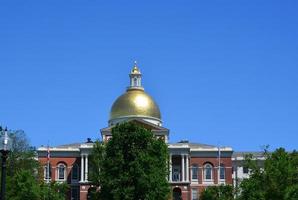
(82, 168)
(58, 179)
(194, 166)
(86, 168)
(45, 171)
(183, 170)
(197, 196)
(211, 180)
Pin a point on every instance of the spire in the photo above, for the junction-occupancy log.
(135, 78)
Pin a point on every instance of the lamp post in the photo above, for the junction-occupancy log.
(5, 145)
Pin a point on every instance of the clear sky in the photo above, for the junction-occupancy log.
(222, 72)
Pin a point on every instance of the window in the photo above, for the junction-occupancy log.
(194, 194)
(75, 172)
(135, 82)
(47, 172)
(194, 172)
(75, 193)
(208, 172)
(61, 169)
(245, 170)
(176, 173)
(222, 172)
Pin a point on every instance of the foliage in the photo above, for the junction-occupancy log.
(132, 165)
(22, 155)
(278, 180)
(291, 192)
(54, 191)
(23, 186)
(222, 192)
(22, 173)
(96, 157)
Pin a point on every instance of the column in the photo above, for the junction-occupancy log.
(86, 168)
(183, 170)
(170, 168)
(187, 168)
(82, 168)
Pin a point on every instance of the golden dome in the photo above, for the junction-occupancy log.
(135, 103)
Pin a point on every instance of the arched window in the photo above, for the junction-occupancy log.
(47, 173)
(194, 172)
(222, 172)
(208, 176)
(75, 172)
(61, 172)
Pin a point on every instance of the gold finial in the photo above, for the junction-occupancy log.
(135, 69)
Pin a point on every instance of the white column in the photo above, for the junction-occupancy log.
(187, 168)
(170, 168)
(182, 165)
(82, 168)
(86, 168)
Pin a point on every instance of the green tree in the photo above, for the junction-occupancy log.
(222, 192)
(53, 191)
(23, 185)
(22, 173)
(22, 155)
(278, 180)
(132, 165)
(96, 159)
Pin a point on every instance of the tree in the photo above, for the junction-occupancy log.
(22, 178)
(278, 180)
(22, 168)
(222, 192)
(53, 191)
(22, 155)
(132, 165)
(23, 185)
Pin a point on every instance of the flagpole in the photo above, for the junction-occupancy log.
(218, 180)
(48, 164)
(48, 169)
(218, 174)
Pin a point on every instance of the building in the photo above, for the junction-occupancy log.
(241, 172)
(193, 166)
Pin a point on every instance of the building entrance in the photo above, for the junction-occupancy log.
(177, 194)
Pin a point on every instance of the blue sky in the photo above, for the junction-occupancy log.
(222, 72)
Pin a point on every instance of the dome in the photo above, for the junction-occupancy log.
(135, 103)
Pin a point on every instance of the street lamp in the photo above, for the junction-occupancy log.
(5, 146)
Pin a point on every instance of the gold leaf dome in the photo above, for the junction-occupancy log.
(135, 103)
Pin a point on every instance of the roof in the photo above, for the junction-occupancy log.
(198, 146)
(146, 124)
(66, 147)
(245, 153)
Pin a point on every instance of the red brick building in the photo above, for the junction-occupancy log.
(193, 166)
